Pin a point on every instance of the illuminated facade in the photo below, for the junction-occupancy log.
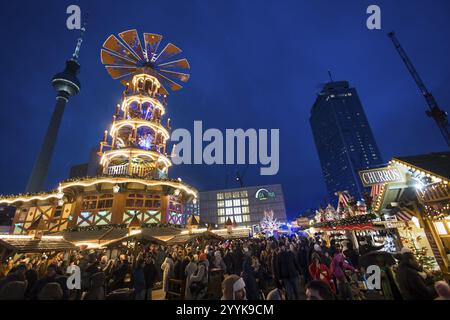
(133, 157)
(244, 206)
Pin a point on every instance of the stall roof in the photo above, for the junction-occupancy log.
(185, 238)
(437, 163)
(24, 245)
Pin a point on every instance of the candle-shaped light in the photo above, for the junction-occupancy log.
(105, 136)
(168, 123)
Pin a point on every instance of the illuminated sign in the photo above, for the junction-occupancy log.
(380, 176)
(264, 194)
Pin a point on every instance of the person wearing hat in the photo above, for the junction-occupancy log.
(233, 288)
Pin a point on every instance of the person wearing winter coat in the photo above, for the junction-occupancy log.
(233, 288)
(199, 280)
(191, 268)
(319, 271)
(288, 273)
(250, 281)
(237, 257)
(218, 261)
(338, 267)
(139, 281)
(410, 281)
(150, 274)
(119, 273)
(167, 268)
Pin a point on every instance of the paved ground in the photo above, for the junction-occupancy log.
(158, 294)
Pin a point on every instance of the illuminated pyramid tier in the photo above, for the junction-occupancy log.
(137, 139)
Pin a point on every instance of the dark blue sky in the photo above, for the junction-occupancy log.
(254, 64)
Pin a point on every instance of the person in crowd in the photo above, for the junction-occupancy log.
(277, 293)
(167, 268)
(410, 281)
(15, 274)
(199, 280)
(338, 268)
(318, 290)
(139, 285)
(218, 261)
(443, 290)
(49, 277)
(150, 274)
(119, 273)
(351, 254)
(237, 257)
(248, 275)
(233, 288)
(319, 271)
(190, 269)
(288, 272)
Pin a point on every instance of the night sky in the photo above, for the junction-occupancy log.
(254, 64)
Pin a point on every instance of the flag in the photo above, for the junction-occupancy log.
(376, 190)
(403, 215)
(343, 199)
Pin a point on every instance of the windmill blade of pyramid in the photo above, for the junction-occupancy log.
(131, 38)
(110, 58)
(168, 52)
(113, 44)
(152, 42)
(171, 84)
(117, 72)
(163, 90)
(184, 77)
(177, 64)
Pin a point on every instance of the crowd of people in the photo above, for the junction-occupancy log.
(285, 268)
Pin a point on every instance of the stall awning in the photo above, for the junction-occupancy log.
(31, 245)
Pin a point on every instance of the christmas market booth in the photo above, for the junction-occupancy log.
(34, 244)
(355, 222)
(419, 203)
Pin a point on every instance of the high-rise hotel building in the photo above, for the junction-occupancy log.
(344, 141)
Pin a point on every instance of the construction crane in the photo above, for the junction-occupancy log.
(438, 115)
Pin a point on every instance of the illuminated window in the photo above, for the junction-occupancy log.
(440, 228)
(220, 204)
(89, 202)
(105, 201)
(246, 218)
(221, 212)
(236, 194)
(227, 195)
(229, 211)
(222, 220)
(228, 203)
(237, 202)
(244, 194)
(220, 196)
(58, 212)
(245, 210)
(244, 202)
(237, 210)
(238, 219)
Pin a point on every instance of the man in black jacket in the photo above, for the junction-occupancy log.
(288, 272)
(150, 276)
(411, 283)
